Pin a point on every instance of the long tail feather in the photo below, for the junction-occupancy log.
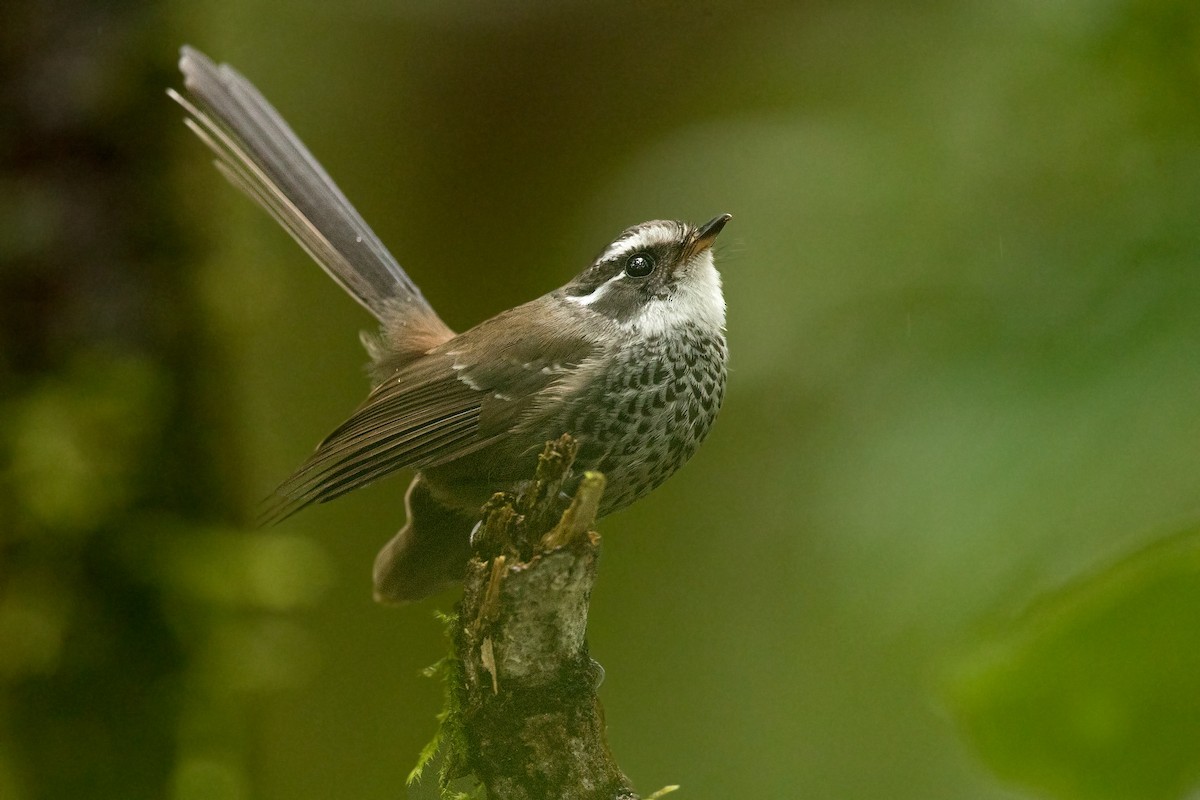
(259, 154)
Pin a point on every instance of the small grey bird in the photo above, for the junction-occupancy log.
(629, 357)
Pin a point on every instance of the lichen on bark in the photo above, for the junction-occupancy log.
(523, 714)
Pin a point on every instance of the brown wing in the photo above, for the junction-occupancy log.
(458, 398)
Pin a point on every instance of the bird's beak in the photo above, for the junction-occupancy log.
(705, 235)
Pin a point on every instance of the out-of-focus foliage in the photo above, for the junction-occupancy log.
(963, 290)
(137, 625)
(1096, 692)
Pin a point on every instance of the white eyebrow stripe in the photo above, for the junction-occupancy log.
(597, 293)
(644, 238)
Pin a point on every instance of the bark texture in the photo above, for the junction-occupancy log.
(532, 726)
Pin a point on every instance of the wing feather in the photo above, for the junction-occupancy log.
(457, 399)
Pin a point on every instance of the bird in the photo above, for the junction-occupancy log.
(629, 357)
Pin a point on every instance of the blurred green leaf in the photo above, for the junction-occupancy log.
(78, 439)
(1095, 693)
(209, 778)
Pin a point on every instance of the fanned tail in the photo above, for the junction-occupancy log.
(259, 154)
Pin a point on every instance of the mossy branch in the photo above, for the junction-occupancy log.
(523, 715)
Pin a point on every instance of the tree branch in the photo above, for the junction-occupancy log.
(523, 695)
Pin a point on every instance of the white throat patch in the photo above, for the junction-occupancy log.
(697, 300)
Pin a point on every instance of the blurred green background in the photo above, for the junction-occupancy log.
(942, 542)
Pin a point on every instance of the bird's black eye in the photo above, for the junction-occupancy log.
(639, 265)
